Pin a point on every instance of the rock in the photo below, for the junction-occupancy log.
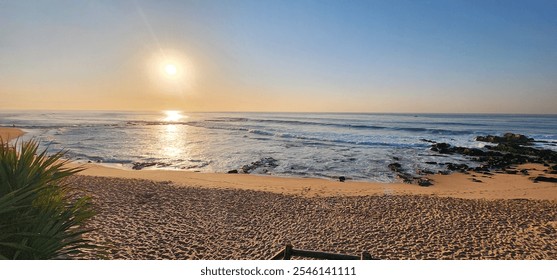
(342, 178)
(406, 178)
(425, 172)
(482, 168)
(511, 150)
(442, 148)
(524, 171)
(457, 167)
(424, 182)
(141, 165)
(476, 180)
(264, 163)
(544, 179)
(233, 171)
(396, 167)
(428, 141)
(473, 152)
(511, 138)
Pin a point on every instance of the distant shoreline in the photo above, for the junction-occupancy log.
(9, 133)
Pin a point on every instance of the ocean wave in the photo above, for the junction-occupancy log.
(434, 130)
(213, 124)
(260, 132)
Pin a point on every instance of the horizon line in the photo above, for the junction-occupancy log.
(277, 112)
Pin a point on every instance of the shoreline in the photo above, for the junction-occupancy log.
(184, 215)
(7, 134)
(469, 185)
(457, 185)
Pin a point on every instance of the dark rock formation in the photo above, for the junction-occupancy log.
(264, 163)
(457, 167)
(511, 149)
(424, 182)
(396, 167)
(141, 165)
(406, 178)
(428, 141)
(442, 148)
(510, 138)
(544, 179)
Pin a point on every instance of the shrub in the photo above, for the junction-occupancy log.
(40, 216)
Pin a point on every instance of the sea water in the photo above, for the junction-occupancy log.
(357, 146)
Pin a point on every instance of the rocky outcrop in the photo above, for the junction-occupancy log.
(508, 138)
(263, 165)
(402, 174)
(395, 167)
(511, 149)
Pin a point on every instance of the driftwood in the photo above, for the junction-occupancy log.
(288, 252)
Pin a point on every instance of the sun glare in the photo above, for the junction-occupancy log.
(173, 116)
(171, 72)
(170, 69)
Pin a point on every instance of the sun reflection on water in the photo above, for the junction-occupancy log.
(173, 116)
(172, 141)
(177, 146)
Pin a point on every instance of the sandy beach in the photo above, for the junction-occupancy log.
(182, 215)
(141, 219)
(9, 133)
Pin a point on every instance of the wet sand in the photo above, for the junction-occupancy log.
(493, 186)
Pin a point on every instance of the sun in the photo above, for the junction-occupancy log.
(170, 69)
(171, 72)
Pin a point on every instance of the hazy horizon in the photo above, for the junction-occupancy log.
(162, 112)
(410, 57)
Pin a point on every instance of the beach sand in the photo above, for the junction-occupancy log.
(182, 215)
(9, 133)
(141, 219)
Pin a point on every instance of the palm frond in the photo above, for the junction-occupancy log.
(39, 217)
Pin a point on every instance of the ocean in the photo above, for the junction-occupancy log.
(357, 146)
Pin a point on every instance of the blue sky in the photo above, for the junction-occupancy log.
(354, 56)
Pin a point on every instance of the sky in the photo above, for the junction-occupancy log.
(445, 56)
